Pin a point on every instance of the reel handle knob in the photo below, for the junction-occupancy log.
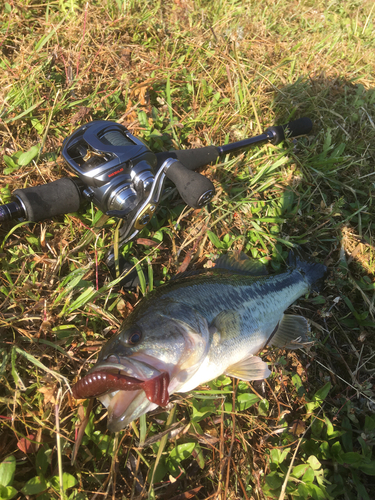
(195, 189)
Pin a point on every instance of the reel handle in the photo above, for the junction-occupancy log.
(195, 189)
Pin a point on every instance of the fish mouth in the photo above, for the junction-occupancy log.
(128, 387)
(124, 407)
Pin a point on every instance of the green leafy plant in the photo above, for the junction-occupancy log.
(7, 470)
(20, 159)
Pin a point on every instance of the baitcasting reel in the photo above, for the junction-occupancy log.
(124, 178)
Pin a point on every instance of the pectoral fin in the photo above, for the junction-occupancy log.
(227, 324)
(291, 333)
(251, 368)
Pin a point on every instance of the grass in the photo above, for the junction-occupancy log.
(184, 74)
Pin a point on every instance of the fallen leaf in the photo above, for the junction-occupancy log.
(49, 392)
(28, 444)
(149, 243)
(185, 263)
(80, 115)
(188, 494)
(124, 308)
(297, 428)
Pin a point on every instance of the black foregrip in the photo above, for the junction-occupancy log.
(292, 129)
(46, 201)
(193, 159)
(195, 189)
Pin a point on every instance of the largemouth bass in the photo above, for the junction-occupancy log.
(195, 328)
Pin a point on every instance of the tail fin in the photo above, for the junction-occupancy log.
(313, 272)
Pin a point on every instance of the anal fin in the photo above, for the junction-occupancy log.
(251, 368)
(292, 333)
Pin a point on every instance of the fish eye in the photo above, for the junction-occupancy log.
(134, 338)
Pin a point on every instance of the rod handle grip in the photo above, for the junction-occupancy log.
(295, 128)
(48, 200)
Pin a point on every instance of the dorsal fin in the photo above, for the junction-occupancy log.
(236, 263)
(239, 263)
(187, 274)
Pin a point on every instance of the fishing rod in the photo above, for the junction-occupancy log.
(120, 175)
